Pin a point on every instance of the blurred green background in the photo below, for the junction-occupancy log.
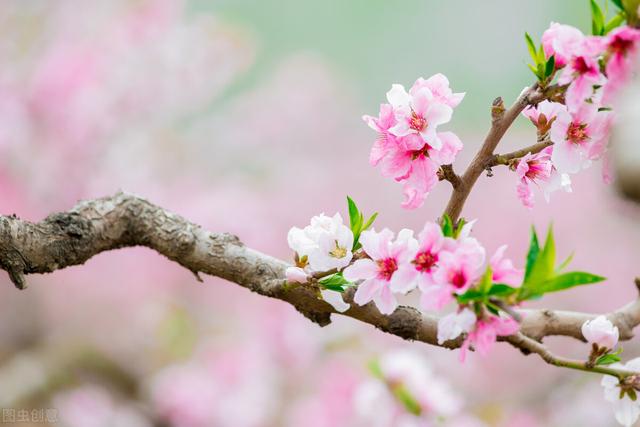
(373, 43)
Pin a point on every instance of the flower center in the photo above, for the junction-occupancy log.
(535, 170)
(620, 45)
(386, 268)
(425, 261)
(417, 123)
(458, 279)
(580, 66)
(423, 152)
(338, 251)
(577, 133)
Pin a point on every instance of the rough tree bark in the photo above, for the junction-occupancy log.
(124, 220)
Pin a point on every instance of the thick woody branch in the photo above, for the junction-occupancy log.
(71, 238)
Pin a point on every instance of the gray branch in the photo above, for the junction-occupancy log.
(71, 238)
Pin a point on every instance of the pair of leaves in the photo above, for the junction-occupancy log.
(335, 282)
(599, 24)
(542, 67)
(449, 229)
(357, 222)
(541, 274)
(608, 359)
(486, 292)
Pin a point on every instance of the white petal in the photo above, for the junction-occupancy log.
(398, 96)
(335, 299)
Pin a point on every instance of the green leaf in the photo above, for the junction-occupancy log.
(532, 48)
(615, 22)
(500, 290)
(335, 282)
(494, 309)
(597, 19)
(408, 401)
(631, 9)
(565, 263)
(374, 368)
(532, 255)
(550, 67)
(447, 226)
(544, 265)
(540, 70)
(472, 295)
(618, 4)
(608, 359)
(370, 221)
(534, 70)
(541, 56)
(354, 214)
(487, 280)
(461, 224)
(566, 281)
(357, 223)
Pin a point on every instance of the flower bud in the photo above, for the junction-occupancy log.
(600, 331)
(296, 275)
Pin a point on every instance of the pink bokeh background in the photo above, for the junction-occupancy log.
(134, 95)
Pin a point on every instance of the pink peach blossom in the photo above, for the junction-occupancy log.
(439, 86)
(537, 169)
(561, 41)
(582, 74)
(419, 270)
(622, 48)
(379, 273)
(486, 332)
(503, 269)
(419, 113)
(574, 135)
(457, 272)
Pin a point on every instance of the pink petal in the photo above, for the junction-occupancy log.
(362, 269)
(404, 279)
(438, 114)
(367, 291)
(385, 301)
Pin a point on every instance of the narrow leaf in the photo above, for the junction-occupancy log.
(565, 263)
(406, 399)
(447, 226)
(534, 70)
(486, 281)
(618, 4)
(532, 48)
(461, 224)
(597, 19)
(353, 212)
(470, 296)
(501, 290)
(566, 281)
(544, 265)
(615, 22)
(550, 67)
(541, 56)
(370, 221)
(608, 359)
(532, 255)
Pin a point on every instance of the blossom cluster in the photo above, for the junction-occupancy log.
(410, 148)
(591, 70)
(443, 266)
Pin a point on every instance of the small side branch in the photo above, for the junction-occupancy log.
(502, 119)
